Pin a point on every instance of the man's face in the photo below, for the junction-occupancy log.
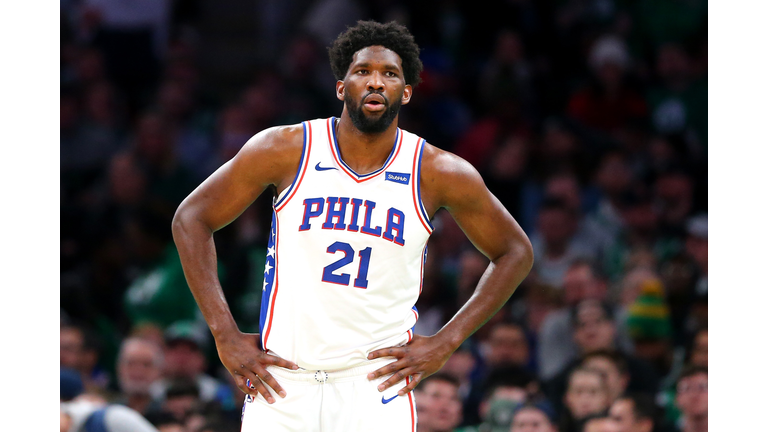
(693, 395)
(139, 367)
(623, 415)
(700, 354)
(556, 225)
(594, 330)
(586, 394)
(601, 425)
(71, 348)
(616, 382)
(374, 89)
(579, 283)
(442, 405)
(183, 359)
(531, 420)
(508, 346)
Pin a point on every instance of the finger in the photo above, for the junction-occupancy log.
(269, 379)
(412, 382)
(243, 384)
(277, 361)
(387, 352)
(259, 386)
(396, 378)
(386, 370)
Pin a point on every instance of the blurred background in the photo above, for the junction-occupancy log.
(586, 118)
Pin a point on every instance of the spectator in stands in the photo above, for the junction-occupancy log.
(503, 391)
(79, 350)
(693, 399)
(507, 345)
(608, 103)
(599, 423)
(674, 194)
(587, 394)
(83, 412)
(185, 344)
(182, 398)
(613, 178)
(165, 422)
(139, 365)
(556, 346)
(555, 243)
(190, 126)
(634, 412)
(594, 329)
(699, 352)
(613, 367)
(650, 327)
(438, 403)
(678, 104)
(697, 247)
(533, 418)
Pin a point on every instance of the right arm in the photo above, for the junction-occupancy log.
(271, 157)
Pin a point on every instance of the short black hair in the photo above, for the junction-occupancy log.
(691, 370)
(643, 406)
(507, 376)
(613, 356)
(391, 35)
(440, 376)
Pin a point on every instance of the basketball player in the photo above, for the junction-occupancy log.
(353, 199)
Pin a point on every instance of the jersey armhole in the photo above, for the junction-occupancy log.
(420, 210)
(282, 199)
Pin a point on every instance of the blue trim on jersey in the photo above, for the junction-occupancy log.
(301, 165)
(418, 185)
(269, 276)
(338, 152)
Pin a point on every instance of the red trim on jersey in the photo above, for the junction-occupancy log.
(304, 162)
(410, 333)
(413, 408)
(414, 185)
(271, 311)
(351, 174)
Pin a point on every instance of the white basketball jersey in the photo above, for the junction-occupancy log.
(346, 255)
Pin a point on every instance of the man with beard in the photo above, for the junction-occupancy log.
(353, 200)
(139, 365)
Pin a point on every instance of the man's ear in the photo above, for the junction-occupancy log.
(340, 90)
(407, 92)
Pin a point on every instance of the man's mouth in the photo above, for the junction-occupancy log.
(374, 103)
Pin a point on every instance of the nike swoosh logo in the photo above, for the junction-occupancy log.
(386, 401)
(319, 168)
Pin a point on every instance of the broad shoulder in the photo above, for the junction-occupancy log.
(446, 178)
(274, 154)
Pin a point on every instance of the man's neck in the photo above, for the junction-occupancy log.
(363, 152)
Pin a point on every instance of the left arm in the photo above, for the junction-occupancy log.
(452, 183)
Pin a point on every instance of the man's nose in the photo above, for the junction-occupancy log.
(375, 82)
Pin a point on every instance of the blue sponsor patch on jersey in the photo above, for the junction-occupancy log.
(402, 178)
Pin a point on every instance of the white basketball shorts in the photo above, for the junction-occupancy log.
(332, 401)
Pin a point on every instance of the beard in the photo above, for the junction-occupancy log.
(369, 124)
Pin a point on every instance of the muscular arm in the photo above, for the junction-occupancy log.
(269, 158)
(449, 182)
(453, 184)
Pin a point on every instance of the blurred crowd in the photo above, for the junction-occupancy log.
(586, 118)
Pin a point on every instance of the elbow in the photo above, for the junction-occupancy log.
(178, 222)
(524, 254)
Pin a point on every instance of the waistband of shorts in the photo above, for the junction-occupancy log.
(340, 375)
